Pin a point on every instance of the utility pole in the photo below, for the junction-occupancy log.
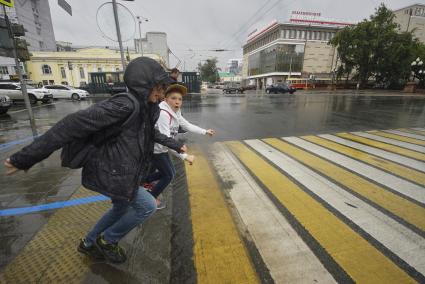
(140, 35)
(19, 71)
(117, 26)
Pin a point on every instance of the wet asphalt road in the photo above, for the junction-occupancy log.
(234, 117)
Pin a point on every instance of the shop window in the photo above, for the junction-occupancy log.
(63, 73)
(51, 82)
(46, 69)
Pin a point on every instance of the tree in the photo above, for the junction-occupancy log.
(374, 49)
(209, 70)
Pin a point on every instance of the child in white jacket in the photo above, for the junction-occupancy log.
(170, 119)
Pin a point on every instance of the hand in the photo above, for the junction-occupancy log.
(190, 159)
(183, 149)
(210, 132)
(10, 169)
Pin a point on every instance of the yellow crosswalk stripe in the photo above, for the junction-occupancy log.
(398, 137)
(361, 261)
(384, 146)
(389, 166)
(405, 209)
(219, 253)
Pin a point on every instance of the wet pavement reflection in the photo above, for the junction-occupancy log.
(234, 117)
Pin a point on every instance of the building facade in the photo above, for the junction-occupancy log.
(154, 43)
(295, 49)
(412, 18)
(73, 67)
(234, 66)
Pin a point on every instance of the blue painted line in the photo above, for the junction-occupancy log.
(7, 145)
(53, 205)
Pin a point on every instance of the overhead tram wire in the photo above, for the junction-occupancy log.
(245, 25)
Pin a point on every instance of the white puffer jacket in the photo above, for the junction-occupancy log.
(168, 124)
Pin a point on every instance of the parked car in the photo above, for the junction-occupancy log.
(66, 92)
(14, 92)
(280, 88)
(5, 103)
(233, 89)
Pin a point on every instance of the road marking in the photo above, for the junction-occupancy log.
(394, 236)
(413, 131)
(356, 256)
(399, 140)
(44, 105)
(420, 166)
(384, 146)
(390, 202)
(389, 139)
(219, 253)
(51, 256)
(397, 184)
(410, 174)
(53, 205)
(401, 133)
(420, 130)
(282, 250)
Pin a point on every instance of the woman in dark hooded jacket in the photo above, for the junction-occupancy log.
(118, 165)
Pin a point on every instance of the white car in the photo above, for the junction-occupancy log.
(14, 92)
(66, 92)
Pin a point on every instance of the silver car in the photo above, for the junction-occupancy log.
(66, 92)
(14, 92)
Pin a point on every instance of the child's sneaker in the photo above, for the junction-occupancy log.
(91, 251)
(112, 252)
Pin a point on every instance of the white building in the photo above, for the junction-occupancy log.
(154, 43)
(412, 18)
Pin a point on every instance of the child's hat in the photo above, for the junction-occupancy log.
(176, 88)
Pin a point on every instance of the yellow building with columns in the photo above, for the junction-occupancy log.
(73, 67)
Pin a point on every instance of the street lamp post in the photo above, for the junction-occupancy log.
(117, 26)
(139, 18)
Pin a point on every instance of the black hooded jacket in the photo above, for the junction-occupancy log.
(118, 166)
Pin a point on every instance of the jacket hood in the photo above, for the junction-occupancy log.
(142, 74)
(163, 105)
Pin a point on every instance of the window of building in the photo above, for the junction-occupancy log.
(303, 34)
(46, 69)
(315, 35)
(309, 35)
(292, 33)
(285, 33)
(63, 73)
(4, 70)
(298, 34)
(82, 74)
(64, 83)
(40, 43)
(45, 82)
(99, 69)
(51, 82)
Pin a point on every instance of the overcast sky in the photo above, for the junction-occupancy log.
(200, 25)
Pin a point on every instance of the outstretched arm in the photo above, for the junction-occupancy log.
(78, 125)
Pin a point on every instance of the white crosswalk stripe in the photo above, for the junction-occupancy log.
(283, 251)
(399, 239)
(395, 183)
(377, 152)
(391, 141)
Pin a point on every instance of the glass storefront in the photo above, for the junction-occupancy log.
(277, 58)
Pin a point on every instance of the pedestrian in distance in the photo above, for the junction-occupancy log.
(174, 74)
(113, 142)
(169, 122)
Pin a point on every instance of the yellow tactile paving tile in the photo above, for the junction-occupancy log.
(355, 255)
(383, 146)
(403, 208)
(397, 137)
(220, 255)
(51, 255)
(410, 174)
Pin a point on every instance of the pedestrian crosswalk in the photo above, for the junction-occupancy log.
(345, 207)
(329, 208)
